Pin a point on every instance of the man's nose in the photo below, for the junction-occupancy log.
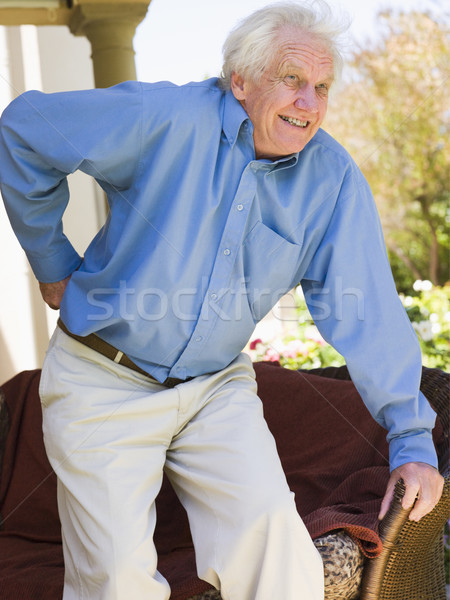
(307, 99)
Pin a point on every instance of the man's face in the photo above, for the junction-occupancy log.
(289, 103)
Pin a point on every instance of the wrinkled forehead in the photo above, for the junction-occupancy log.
(296, 49)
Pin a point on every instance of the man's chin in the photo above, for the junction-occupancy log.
(295, 144)
(283, 147)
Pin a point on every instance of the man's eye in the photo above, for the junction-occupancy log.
(291, 78)
(322, 88)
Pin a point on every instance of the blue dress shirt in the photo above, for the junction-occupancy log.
(202, 239)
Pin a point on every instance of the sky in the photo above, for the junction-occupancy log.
(181, 40)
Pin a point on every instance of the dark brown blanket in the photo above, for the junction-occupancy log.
(334, 455)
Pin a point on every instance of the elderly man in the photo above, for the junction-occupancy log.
(224, 194)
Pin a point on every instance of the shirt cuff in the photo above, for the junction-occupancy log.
(56, 267)
(417, 447)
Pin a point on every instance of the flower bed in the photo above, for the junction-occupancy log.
(302, 346)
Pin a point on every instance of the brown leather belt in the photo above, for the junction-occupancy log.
(96, 343)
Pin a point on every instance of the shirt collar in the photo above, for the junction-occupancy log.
(234, 116)
(285, 161)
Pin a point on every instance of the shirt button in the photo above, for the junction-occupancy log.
(213, 296)
(198, 338)
(227, 251)
(240, 206)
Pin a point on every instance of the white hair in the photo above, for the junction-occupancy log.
(251, 46)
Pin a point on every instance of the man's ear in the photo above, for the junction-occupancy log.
(238, 86)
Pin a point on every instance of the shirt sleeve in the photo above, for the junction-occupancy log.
(43, 138)
(351, 294)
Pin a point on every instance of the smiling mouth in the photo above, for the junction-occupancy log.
(295, 122)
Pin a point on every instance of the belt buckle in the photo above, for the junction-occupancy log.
(171, 382)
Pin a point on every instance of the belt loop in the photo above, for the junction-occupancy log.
(118, 356)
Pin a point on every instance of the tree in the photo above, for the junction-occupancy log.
(393, 114)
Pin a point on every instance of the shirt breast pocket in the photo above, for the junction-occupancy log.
(270, 264)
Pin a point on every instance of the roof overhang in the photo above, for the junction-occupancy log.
(48, 12)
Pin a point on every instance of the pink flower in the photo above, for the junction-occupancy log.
(254, 343)
(271, 355)
(295, 348)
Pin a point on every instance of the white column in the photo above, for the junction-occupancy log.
(18, 333)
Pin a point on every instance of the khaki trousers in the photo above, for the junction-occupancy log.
(109, 433)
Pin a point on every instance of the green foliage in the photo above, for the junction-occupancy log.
(404, 278)
(428, 309)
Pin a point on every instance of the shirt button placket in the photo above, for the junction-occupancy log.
(234, 228)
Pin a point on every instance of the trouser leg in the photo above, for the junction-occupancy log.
(107, 433)
(250, 541)
(106, 437)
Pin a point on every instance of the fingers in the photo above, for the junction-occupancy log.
(388, 497)
(411, 492)
(422, 482)
(427, 497)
